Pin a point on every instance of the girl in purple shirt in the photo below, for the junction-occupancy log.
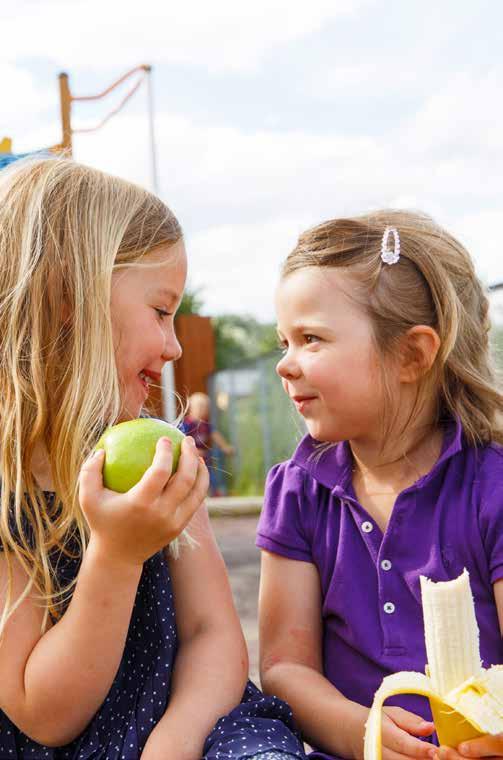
(384, 327)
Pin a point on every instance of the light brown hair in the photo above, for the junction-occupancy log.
(434, 283)
(64, 229)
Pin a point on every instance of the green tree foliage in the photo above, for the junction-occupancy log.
(241, 338)
(192, 302)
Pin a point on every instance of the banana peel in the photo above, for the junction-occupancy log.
(466, 700)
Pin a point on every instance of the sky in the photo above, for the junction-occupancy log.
(274, 115)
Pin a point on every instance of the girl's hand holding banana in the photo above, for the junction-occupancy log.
(466, 699)
(484, 746)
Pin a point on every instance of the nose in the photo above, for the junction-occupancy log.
(172, 348)
(288, 367)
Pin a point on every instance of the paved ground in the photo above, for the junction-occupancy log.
(236, 538)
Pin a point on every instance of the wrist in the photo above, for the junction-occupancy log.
(99, 555)
(355, 719)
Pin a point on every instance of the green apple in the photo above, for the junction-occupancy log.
(130, 448)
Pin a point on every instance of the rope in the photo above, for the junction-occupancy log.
(121, 104)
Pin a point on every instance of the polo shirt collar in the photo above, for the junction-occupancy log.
(331, 466)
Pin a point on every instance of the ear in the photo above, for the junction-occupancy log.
(418, 352)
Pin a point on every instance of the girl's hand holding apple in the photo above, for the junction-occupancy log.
(130, 527)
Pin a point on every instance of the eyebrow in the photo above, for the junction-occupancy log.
(170, 295)
(307, 327)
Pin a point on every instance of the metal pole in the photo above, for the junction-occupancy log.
(153, 146)
(168, 374)
(66, 118)
(265, 416)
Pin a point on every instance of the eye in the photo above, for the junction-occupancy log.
(282, 346)
(163, 313)
(311, 338)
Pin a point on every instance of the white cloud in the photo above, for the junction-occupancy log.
(237, 265)
(243, 194)
(23, 99)
(223, 35)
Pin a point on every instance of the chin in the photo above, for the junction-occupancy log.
(131, 412)
(324, 435)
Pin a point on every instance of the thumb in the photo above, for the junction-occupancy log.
(412, 723)
(91, 476)
(483, 746)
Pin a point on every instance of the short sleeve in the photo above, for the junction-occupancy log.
(284, 524)
(491, 514)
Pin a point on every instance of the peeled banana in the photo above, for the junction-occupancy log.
(466, 700)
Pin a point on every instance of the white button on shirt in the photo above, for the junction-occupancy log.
(389, 608)
(386, 564)
(367, 527)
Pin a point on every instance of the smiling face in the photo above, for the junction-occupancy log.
(143, 306)
(330, 367)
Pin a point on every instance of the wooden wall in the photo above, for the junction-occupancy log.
(196, 337)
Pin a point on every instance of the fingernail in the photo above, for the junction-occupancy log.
(166, 441)
(98, 453)
(191, 440)
(432, 753)
(464, 749)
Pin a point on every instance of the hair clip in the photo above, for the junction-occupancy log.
(390, 255)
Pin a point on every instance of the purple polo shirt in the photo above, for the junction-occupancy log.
(449, 519)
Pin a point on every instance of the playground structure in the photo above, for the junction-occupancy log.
(191, 372)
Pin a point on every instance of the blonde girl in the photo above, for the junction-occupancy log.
(111, 647)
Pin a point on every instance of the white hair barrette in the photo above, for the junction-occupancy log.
(390, 255)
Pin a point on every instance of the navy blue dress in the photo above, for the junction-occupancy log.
(140, 693)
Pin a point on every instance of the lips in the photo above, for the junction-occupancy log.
(147, 377)
(151, 376)
(301, 402)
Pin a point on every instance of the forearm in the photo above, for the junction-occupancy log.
(208, 681)
(80, 655)
(326, 717)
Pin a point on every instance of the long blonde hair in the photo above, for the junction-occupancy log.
(434, 283)
(64, 228)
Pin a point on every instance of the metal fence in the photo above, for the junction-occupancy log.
(250, 408)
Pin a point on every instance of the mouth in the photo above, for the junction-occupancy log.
(301, 402)
(148, 378)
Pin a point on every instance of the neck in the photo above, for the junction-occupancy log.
(406, 451)
(41, 468)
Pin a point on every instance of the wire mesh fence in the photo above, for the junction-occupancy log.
(250, 408)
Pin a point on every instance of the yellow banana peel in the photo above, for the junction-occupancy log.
(466, 700)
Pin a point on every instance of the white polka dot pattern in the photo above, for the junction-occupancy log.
(140, 694)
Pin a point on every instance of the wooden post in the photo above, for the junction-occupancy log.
(66, 107)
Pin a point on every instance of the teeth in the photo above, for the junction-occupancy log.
(145, 377)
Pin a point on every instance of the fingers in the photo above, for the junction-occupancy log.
(91, 477)
(410, 722)
(400, 741)
(389, 754)
(484, 746)
(191, 504)
(156, 477)
(447, 753)
(182, 482)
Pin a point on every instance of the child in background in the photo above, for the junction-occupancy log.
(385, 334)
(112, 646)
(197, 424)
